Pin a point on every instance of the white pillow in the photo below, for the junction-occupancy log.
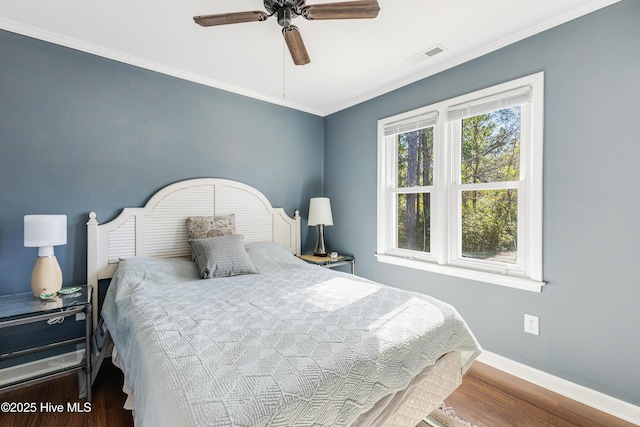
(270, 256)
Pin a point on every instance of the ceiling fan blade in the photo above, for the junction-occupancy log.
(230, 18)
(359, 9)
(296, 45)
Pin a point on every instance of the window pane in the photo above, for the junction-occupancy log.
(414, 221)
(415, 158)
(490, 225)
(491, 147)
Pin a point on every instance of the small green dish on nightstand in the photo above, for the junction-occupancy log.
(65, 291)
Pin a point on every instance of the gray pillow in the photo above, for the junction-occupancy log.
(221, 256)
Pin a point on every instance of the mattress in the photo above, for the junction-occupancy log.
(425, 392)
(293, 345)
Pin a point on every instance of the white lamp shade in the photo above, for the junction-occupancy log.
(45, 230)
(320, 211)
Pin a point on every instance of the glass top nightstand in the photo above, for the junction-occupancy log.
(24, 308)
(328, 262)
(14, 307)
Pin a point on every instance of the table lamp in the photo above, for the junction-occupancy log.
(44, 232)
(320, 215)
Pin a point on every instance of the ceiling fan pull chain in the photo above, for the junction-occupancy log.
(284, 67)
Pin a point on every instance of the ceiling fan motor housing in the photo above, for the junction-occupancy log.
(286, 10)
(284, 16)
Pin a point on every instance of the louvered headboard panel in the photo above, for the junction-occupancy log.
(159, 228)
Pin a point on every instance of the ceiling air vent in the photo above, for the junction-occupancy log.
(426, 54)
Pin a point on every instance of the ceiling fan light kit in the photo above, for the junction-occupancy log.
(287, 10)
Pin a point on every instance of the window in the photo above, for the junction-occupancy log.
(460, 186)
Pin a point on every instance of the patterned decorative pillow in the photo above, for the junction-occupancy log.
(221, 256)
(199, 227)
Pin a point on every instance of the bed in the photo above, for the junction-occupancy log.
(272, 341)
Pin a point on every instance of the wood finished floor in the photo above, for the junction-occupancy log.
(487, 398)
(106, 405)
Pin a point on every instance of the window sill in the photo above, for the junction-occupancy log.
(481, 276)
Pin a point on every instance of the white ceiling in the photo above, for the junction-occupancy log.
(351, 60)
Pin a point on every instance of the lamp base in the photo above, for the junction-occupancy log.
(46, 276)
(320, 248)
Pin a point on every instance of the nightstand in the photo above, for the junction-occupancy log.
(23, 309)
(328, 262)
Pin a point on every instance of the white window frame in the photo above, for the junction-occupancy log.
(445, 256)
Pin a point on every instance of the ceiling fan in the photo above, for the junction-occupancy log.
(287, 10)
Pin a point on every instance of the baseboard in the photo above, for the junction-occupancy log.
(600, 401)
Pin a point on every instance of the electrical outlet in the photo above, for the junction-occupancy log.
(531, 324)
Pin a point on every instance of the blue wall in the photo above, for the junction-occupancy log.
(589, 310)
(80, 133)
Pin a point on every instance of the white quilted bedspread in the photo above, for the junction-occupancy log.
(297, 346)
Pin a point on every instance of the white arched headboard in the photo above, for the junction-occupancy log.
(159, 228)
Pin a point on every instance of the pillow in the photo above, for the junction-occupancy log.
(270, 256)
(199, 227)
(221, 256)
